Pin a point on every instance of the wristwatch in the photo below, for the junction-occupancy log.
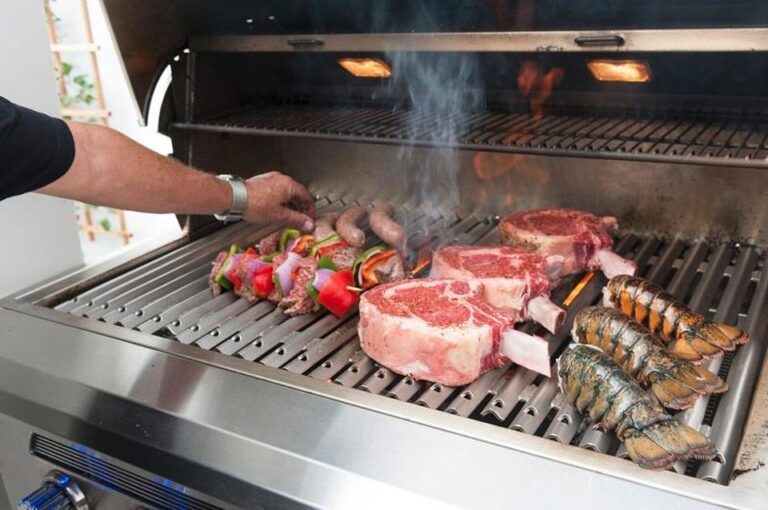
(239, 198)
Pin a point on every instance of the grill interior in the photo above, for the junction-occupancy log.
(168, 297)
(702, 137)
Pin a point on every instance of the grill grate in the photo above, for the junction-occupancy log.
(169, 297)
(701, 138)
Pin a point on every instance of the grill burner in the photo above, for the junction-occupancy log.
(700, 138)
(169, 297)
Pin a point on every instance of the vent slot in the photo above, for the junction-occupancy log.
(157, 492)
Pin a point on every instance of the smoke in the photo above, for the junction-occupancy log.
(441, 90)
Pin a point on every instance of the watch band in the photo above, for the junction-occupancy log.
(239, 198)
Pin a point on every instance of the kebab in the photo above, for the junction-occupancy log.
(306, 272)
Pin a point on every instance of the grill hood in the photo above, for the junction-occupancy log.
(150, 36)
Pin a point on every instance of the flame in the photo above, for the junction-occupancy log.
(493, 166)
(578, 288)
(537, 86)
(425, 258)
(632, 71)
(503, 175)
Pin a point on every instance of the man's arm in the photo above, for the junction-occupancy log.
(111, 169)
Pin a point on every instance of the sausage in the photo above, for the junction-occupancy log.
(347, 227)
(386, 228)
(324, 225)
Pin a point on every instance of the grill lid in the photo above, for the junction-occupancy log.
(150, 36)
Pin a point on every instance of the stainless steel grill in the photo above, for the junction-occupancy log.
(702, 137)
(169, 297)
(242, 406)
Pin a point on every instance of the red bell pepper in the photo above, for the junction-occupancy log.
(246, 259)
(336, 296)
(263, 284)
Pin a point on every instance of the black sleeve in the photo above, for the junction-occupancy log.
(35, 149)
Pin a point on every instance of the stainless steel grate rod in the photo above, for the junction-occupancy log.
(623, 135)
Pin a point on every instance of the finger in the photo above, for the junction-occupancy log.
(266, 175)
(295, 219)
(300, 196)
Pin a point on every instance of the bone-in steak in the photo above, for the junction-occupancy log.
(581, 238)
(514, 279)
(443, 331)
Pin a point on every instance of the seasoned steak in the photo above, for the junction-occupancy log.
(514, 279)
(581, 238)
(443, 331)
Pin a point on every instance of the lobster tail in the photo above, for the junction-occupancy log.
(686, 333)
(723, 336)
(662, 444)
(679, 386)
(699, 445)
(674, 395)
(699, 379)
(691, 347)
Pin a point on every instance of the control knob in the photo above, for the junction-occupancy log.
(57, 492)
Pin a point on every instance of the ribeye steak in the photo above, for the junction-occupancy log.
(443, 331)
(581, 238)
(514, 279)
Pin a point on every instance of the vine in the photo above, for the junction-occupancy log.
(83, 88)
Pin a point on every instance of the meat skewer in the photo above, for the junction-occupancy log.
(514, 279)
(213, 282)
(687, 334)
(581, 238)
(303, 272)
(443, 331)
(675, 382)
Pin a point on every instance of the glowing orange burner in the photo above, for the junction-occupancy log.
(366, 67)
(425, 257)
(577, 289)
(631, 71)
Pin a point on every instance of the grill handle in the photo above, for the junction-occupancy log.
(588, 41)
(306, 43)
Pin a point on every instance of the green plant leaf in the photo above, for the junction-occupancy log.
(66, 68)
(106, 225)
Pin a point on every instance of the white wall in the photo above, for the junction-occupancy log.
(38, 234)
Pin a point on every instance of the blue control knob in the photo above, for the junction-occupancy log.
(57, 492)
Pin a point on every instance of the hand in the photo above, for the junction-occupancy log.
(276, 198)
